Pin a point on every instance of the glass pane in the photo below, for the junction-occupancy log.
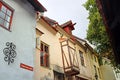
(9, 12)
(1, 21)
(41, 47)
(47, 61)
(7, 18)
(2, 15)
(6, 24)
(46, 49)
(41, 58)
(3, 9)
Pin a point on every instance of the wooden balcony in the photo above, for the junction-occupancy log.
(72, 70)
(69, 57)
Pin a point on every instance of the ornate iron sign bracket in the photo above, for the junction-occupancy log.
(9, 52)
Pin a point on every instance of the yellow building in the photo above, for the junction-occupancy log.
(48, 61)
(93, 59)
(77, 51)
(60, 55)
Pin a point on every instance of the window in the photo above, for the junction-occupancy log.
(92, 56)
(95, 58)
(5, 16)
(99, 73)
(96, 74)
(95, 69)
(44, 55)
(81, 58)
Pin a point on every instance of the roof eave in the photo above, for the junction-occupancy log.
(37, 5)
(49, 24)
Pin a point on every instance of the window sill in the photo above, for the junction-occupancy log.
(5, 28)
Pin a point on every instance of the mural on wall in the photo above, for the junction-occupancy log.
(9, 52)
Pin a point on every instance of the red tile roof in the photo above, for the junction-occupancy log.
(68, 23)
(50, 22)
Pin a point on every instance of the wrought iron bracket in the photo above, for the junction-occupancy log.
(9, 52)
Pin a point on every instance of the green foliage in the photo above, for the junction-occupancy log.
(96, 33)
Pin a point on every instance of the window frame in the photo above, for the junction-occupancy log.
(2, 3)
(82, 58)
(95, 58)
(44, 55)
(99, 73)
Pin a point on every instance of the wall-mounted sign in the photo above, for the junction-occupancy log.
(9, 52)
(24, 66)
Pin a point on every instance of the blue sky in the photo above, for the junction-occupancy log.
(65, 10)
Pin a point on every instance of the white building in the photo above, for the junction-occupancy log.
(17, 38)
(107, 69)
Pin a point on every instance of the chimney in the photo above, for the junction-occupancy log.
(68, 27)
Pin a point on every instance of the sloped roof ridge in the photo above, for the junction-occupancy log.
(80, 38)
(66, 23)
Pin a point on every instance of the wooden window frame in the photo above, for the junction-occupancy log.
(95, 58)
(44, 55)
(82, 58)
(99, 73)
(6, 15)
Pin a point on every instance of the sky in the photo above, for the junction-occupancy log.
(65, 10)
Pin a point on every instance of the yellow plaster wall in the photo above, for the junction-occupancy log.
(84, 70)
(92, 63)
(50, 37)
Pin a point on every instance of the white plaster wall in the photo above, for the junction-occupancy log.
(107, 69)
(23, 36)
(107, 72)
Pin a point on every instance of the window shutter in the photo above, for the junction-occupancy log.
(38, 42)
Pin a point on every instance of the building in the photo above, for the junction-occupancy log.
(59, 54)
(17, 39)
(48, 58)
(107, 69)
(95, 67)
(80, 51)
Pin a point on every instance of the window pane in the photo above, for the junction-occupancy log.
(1, 21)
(2, 15)
(41, 47)
(46, 49)
(41, 59)
(7, 18)
(5, 15)
(4, 9)
(47, 61)
(6, 24)
(9, 12)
